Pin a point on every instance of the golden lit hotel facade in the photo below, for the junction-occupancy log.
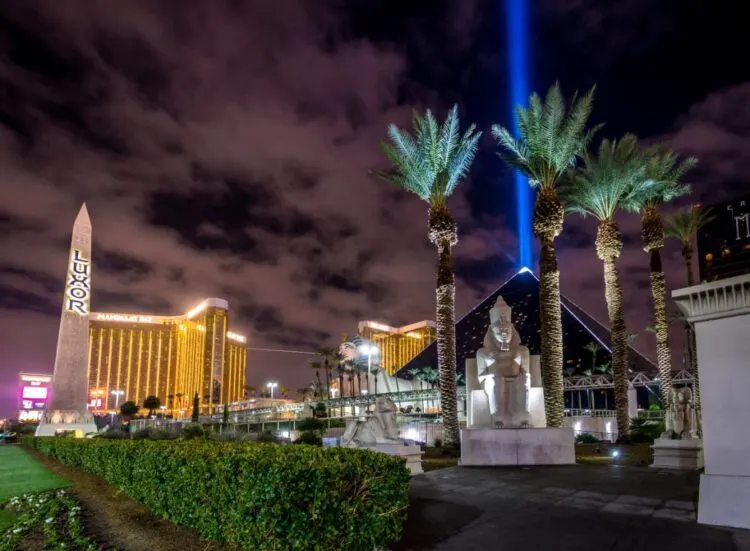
(171, 357)
(397, 345)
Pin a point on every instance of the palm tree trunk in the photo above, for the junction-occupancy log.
(687, 254)
(613, 294)
(446, 337)
(663, 356)
(552, 346)
(547, 224)
(443, 234)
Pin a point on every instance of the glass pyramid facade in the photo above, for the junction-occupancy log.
(521, 292)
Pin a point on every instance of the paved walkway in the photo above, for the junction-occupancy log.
(577, 508)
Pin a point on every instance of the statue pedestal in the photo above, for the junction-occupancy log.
(496, 447)
(79, 429)
(685, 455)
(720, 314)
(412, 453)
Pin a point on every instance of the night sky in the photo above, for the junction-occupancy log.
(223, 148)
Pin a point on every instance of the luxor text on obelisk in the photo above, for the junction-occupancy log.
(66, 411)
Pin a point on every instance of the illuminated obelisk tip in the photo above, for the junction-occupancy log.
(66, 410)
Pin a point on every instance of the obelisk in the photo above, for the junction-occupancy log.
(66, 410)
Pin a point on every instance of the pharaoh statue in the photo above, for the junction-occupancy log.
(680, 420)
(380, 428)
(503, 370)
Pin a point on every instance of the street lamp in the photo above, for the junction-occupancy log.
(163, 411)
(370, 350)
(272, 385)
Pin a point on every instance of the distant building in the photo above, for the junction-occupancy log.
(397, 345)
(724, 242)
(33, 393)
(171, 357)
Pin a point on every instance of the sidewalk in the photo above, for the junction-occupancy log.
(576, 508)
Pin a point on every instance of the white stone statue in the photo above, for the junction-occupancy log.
(503, 370)
(380, 428)
(680, 420)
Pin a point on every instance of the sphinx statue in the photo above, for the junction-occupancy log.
(380, 428)
(680, 420)
(502, 369)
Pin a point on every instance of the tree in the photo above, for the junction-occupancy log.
(431, 163)
(129, 409)
(683, 226)
(179, 396)
(601, 188)
(330, 359)
(593, 347)
(663, 172)
(553, 136)
(319, 386)
(196, 408)
(225, 416)
(151, 403)
(250, 391)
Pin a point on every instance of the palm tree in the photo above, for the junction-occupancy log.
(151, 403)
(683, 226)
(431, 164)
(318, 383)
(553, 136)
(250, 390)
(662, 173)
(329, 357)
(606, 183)
(303, 392)
(593, 347)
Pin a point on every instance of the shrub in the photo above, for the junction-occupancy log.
(230, 436)
(309, 437)
(155, 434)
(587, 438)
(643, 431)
(311, 424)
(193, 430)
(438, 443)
(260, 497)
(336, 424)
(117, 434)
(266, 436)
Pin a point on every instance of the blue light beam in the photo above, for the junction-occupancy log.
(517, 33)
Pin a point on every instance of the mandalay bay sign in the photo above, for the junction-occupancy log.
(78, 289)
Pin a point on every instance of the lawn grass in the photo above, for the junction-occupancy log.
(21, 474)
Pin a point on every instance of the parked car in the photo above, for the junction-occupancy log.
(10, 438)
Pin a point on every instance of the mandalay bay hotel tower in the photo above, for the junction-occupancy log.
(170, 357)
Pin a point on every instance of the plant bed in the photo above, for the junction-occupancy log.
(45, 520)
(257, 496)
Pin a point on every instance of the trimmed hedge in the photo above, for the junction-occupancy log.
(259, 496)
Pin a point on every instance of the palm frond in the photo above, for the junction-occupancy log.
(662, 174)
(552, 136)
(607, 180)
(432, 161)
(684, 224)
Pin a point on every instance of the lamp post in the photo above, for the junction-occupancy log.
(371, 350)
(272, 385)
(163, 411)
(116, 394)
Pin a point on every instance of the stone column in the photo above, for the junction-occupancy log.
(720, 313)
